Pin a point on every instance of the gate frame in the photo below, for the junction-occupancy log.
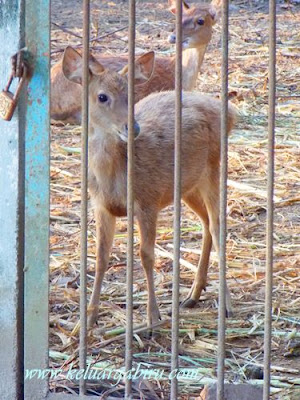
(37, 191)
(24, 209)
(11, 214)
(24, 204)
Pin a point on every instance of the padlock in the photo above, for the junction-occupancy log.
(8, 100)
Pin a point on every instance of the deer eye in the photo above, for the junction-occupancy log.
(200, 21)
(102, 98)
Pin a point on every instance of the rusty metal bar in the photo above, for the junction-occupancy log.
(84, 196)
(130, 200)
(270, 205)
(223, 205)
(177, 200)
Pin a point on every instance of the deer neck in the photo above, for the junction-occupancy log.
(107, 171)
(106, 151)
(192, 60)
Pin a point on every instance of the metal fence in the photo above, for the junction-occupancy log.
(31, 219)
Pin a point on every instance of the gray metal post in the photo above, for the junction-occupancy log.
(11, 215)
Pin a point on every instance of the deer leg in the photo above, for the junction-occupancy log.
(195, 202)
(211, 200)
(105, 228)
(147, 228)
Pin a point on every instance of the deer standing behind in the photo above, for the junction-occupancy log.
(197, 28)
(154, 163)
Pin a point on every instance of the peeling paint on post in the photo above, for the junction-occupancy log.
(37, 24)
(11, 215)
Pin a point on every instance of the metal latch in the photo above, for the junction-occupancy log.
(8, 100)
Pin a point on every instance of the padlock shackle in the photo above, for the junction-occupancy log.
(8, 100)
(6, 89)
(20, 85)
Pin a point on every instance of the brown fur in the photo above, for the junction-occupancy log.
(66, 95)
(154, 170)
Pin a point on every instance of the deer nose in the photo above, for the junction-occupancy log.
(136, 129)
(172, 38)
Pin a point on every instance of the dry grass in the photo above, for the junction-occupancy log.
(246, 222)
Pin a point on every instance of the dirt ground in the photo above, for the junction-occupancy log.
(248, 85)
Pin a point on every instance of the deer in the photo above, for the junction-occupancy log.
(154, 161)
(197, 29)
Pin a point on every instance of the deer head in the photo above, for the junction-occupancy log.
(197, 23)
(108, 90)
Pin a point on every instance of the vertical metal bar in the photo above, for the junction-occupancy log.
(270, 191)
(37, 149)
(177, 199)
(130, 200)
(11, 214)
(223, 205)
(84, 198)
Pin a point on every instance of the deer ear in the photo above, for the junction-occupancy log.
(144, 66)
(72, 65)
(172, 6)
(215, 14)
(215, 10)
(95, 67)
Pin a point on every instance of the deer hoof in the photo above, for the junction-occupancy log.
(188, 303)
(92, 316)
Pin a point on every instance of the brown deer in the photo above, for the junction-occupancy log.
(197, 25)
(154, 162)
